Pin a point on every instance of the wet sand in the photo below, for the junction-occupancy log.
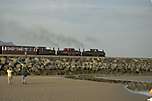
(47, 88)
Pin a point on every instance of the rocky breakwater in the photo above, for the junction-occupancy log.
(61, 65)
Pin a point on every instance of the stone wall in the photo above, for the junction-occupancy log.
(60, 65)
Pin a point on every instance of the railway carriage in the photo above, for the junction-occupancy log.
(19, 50)
(69, 52)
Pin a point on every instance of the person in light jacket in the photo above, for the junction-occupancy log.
(9, 74)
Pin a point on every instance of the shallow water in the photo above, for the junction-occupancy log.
(138, 85)
(144, 92)
(142, 88)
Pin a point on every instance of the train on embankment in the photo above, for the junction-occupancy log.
(32, 50)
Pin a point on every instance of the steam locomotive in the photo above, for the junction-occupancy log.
(31, 50)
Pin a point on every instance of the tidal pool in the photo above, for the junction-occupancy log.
(140, 87)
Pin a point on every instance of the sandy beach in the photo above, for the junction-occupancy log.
(50, 88)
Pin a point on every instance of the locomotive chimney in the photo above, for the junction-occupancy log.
(83, 49)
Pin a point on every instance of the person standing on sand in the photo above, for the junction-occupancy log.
(24, 73)
(150, 93)
(9, 74)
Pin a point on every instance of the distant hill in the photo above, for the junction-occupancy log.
(7, 43)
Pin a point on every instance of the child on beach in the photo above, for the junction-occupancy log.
(9, 74)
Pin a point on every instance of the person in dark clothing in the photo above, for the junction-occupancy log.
(24, 72)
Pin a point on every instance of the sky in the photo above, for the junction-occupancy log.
(123, 28)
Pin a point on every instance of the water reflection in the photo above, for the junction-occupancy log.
(139, 87)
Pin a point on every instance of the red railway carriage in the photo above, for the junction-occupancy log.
(69, 52)
(19, 50)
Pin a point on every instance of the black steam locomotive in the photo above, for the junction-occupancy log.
(94, 52)
(31, 50)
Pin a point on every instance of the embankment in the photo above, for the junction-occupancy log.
(61, 65)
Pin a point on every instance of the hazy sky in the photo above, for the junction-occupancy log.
(120, 27)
